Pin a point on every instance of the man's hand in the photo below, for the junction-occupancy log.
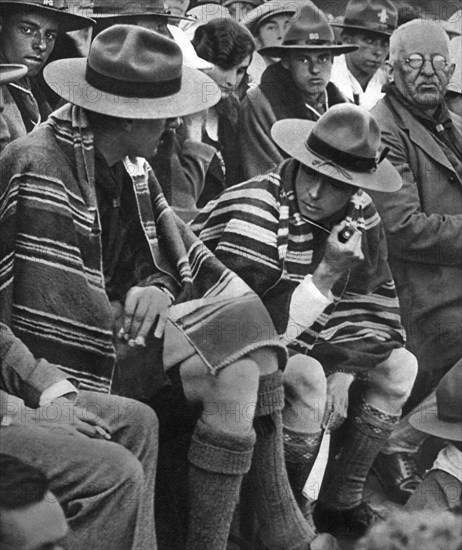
(64, 415)
(338, 258)
(144, 308)
(338, 384)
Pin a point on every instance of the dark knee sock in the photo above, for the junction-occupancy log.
(300, 451)
(218, 462)
(366, 433)
(282, 525)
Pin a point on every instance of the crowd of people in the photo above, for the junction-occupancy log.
(230, 275)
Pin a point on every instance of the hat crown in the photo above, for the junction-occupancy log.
(310, 27)
(349, 130)
(448, 395)
(127, 7)
(133, 54)
(375, 15)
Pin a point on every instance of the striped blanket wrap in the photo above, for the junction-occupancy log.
(256, 230)
(52, 291)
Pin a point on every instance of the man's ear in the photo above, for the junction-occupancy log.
(452, 68)
(389, 70)
(285, 60)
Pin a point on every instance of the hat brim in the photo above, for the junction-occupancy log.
(66, 21)
(10, 72)
(66, 77)
(361, 28)
(290, 135)
(427, 421)
(278, 51)
(106, 16)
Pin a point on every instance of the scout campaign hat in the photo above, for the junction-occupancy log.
(67, 21)
(343, 144)
(443, 415)
(253, 3)
(265, 11)
(105, 9)
(10, 72)
(378, 16)
(309, 31)
(132, 72)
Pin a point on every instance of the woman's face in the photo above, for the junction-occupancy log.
(228, 80)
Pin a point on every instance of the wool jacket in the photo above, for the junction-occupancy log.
(52, 289)
(256, 230)
(423, 224)
(277, 97)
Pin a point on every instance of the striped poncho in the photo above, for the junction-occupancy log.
(52, 289)
(256, 230)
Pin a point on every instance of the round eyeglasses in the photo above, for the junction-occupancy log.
(416, 61)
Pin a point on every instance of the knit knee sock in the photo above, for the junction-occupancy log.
(218, 462)
(366, 433)
(282, 525)
(300, 450)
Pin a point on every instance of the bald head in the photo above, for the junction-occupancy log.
(411, 36)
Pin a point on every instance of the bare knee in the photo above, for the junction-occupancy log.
(395, 376)
(304, 379)
(229, 398)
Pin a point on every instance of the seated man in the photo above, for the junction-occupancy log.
(359, 75)
(296, 87)
(27, 35)
(423, 222)
(89, 446)
(440, 415)
(331, 298)
(30, 516)
(73, 185)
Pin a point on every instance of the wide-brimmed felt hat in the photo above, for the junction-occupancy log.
(105, 9)
(453, 26)
(309, 30)
(344, 144)
(254, 3)
(260, 14)
(10, 72)
(443, 415)
(132, 72)
(67, 21)
(378, 16)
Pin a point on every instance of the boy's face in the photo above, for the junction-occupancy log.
(28, 38)
(271, 31)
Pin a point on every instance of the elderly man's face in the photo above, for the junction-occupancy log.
(28, 38)
(425, 86)
(310, 70)
(320, 197)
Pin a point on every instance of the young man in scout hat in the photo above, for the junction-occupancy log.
(423, 221)
(440, 415)
(296, 87)
(359, 75)
(331, 299)
(73, 186)
(27, 36)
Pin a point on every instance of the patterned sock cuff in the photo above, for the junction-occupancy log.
(375, 421)
(300, 447)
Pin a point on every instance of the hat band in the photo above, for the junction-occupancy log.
(132, 89)
(372, 25)
(316, 42)
(345, 160)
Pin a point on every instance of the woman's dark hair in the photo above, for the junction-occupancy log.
(223, 42)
